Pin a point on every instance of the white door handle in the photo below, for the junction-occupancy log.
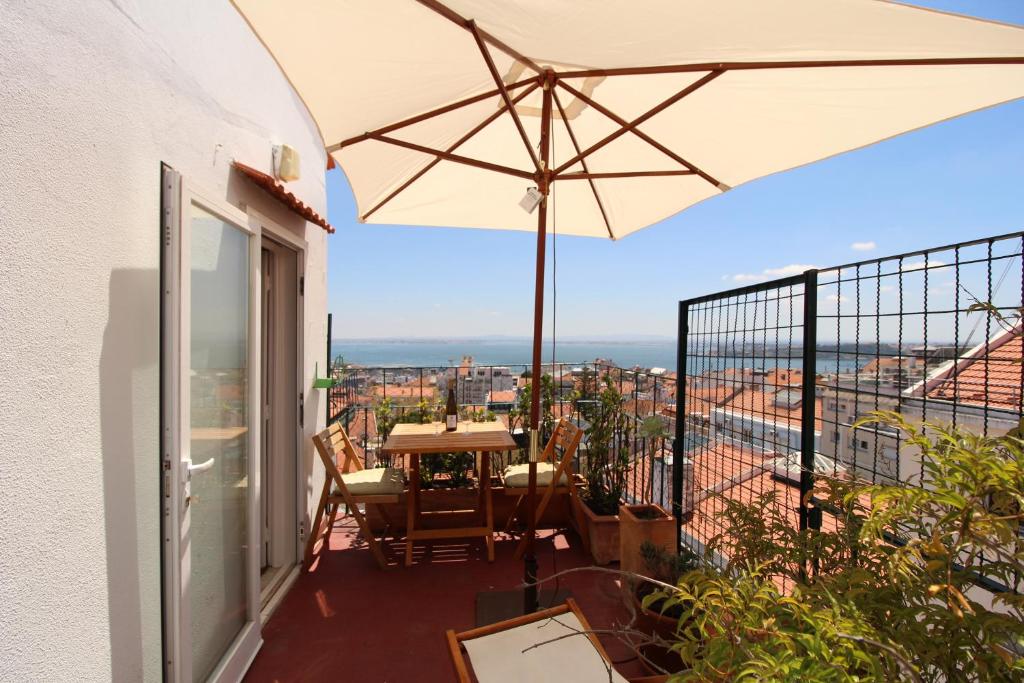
(201, 467)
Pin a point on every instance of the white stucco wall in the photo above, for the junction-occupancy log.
(93, 96)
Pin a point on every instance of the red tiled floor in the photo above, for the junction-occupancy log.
(348, 621)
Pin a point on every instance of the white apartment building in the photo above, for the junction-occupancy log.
(474, 383)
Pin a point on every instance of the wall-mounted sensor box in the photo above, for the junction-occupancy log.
(286, 163)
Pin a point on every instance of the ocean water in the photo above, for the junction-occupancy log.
(442, 353)
(398, 353)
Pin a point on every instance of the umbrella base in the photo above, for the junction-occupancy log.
(495, 606)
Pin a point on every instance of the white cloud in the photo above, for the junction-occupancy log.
(770, 273)
(837, 297)
(887, 288)
(864, 246)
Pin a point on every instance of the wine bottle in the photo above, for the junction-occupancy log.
(451, 412)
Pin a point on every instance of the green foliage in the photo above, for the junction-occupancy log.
(519, 416)
(384, 414)
(453, 466)
(477, 414)
(886, 593)
(424, 412)
(664, 566)
(607, 455)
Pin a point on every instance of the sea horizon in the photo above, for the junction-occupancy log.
(650, 352)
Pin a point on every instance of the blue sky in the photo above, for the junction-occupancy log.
(951, 182)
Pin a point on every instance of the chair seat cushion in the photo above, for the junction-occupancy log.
(378, 481)
(518, 476)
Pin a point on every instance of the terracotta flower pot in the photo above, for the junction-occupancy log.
(639, 523)
(603, 535)
(652, 621)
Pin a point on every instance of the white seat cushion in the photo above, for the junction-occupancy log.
(378, 481)
(518, 476)
(509, 656)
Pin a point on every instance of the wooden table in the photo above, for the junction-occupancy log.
(415, 441)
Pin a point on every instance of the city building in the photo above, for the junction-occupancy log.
(475, 382)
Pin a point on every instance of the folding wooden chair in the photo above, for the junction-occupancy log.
(552, 477)
(352, 486)
(505, 651)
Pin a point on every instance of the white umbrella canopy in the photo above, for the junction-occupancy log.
(753, 87)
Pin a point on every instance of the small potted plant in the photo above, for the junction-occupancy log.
(655, 615)
(645, 523)
(605, 464)
(640, 525)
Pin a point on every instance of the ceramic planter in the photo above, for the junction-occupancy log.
(602, 534)
(655, 623)
(640, 523)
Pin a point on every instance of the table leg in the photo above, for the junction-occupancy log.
(411, 505)
(485, 476)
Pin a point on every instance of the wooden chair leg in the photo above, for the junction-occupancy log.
(521, 548)
(364, 526)
(411, 505)
(314, 528)
(488, 506)
(389, 524)
(330, 524)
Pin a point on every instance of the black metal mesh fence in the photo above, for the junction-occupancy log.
(779, 374)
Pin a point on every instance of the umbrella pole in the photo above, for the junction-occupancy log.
(529, 558)
(530, 604)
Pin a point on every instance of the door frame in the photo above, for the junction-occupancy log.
(275, 232)
(178, 195)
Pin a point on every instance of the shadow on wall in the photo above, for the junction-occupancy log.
(129, 380)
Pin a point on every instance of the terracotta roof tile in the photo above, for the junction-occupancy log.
(279, 192)
(992, 378)
(762, 405)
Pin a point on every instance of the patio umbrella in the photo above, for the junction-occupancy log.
(446, 114)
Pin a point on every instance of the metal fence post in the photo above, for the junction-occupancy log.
(807, 397)
(679, 444)
(330, 374)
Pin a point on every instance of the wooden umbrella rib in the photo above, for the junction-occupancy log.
(459, 20)
(621, 174)
(430, 114)
(457, 158)
(804, 64)
(504, 93)
(631, 125)
(643, 136)
(451, 148)
(583, 162)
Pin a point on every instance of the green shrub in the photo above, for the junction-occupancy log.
(883, 594)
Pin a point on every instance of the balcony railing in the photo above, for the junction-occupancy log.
(776, 376)
(496, 392)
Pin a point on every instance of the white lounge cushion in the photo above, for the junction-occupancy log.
(378, 481)
(500, 657)
(518, 476)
